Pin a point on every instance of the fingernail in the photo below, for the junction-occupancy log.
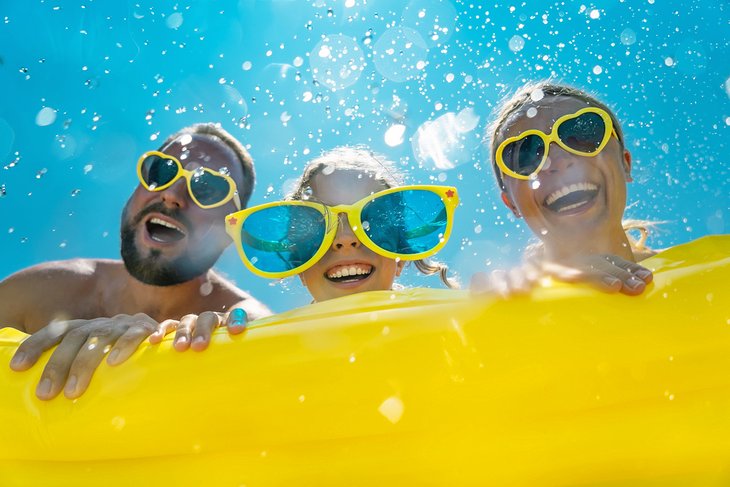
(643, 274)
(610, 280)
(71, 384)
(44, 388)
(18, 359)
(181, 340)
(634, 282)
(113, 356)
(198, 339)
(238, 317)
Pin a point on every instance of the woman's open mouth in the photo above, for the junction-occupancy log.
(163, 231)
(349, 273)
(571, 197)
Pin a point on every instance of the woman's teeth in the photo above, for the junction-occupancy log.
(571, 197)
(566, 190)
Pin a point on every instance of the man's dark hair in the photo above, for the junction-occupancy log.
(214, 130)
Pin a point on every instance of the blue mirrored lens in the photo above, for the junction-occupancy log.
(157, 171)
(208, 188)
(282, 238)
(407, 222)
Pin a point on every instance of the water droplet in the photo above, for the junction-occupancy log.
(628, 37)
(41, 173)
(118, 423)
(516, 43)
(46, 116)
(174, 21)
(597, 70)
(75, 192)
(531, 112)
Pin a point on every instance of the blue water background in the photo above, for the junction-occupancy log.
(87, 86)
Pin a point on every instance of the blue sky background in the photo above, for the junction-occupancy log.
(87, 86)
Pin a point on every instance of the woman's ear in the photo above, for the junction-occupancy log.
(508, 203)
(627, 165)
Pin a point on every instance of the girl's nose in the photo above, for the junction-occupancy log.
(345, 237)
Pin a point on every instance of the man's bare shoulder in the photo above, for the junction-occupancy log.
(81, 268)
(30, 296)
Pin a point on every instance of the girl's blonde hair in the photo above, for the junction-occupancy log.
(380, 169)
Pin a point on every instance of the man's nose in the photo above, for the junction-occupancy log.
(176, 196)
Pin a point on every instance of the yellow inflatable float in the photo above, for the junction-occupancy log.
(566, 387)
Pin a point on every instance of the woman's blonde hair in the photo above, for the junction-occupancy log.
(380, 169)
(535, 91)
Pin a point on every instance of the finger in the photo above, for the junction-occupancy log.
(88, 358)
(181, 342)
(35, 345)
(236, 321)
(479, 283)
(129, 342)
(498, 280)
(204, 326)
(640, 272)
(56, 370)
(163, 329)
(518, 281)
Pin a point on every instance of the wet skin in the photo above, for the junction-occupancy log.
(348, 267)
(168, 224)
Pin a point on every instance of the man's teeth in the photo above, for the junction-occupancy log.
(350, 271)
(566, 190)
(164, 223)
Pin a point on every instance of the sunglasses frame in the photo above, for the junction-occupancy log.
(184, 173)
(234, 222)
(553, 137)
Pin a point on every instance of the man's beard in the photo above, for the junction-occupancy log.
(154, 269)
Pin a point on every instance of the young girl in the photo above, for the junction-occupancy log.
(348, 226)
(561, 163)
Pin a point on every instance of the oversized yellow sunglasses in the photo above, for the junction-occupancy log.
(584, 133)
(158, 171)
(285, 238)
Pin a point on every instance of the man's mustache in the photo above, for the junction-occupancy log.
(159, 207)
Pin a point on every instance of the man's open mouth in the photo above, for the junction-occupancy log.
(163, 231)
(571, 197)
(349, 273)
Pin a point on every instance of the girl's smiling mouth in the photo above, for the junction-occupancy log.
(346, 273)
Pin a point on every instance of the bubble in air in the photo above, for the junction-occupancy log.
(516, 43)
(46, 116)
(174, 21)
(628, 37)
(337, 61)
(400, 54)
(531, 112)
(394, 135)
